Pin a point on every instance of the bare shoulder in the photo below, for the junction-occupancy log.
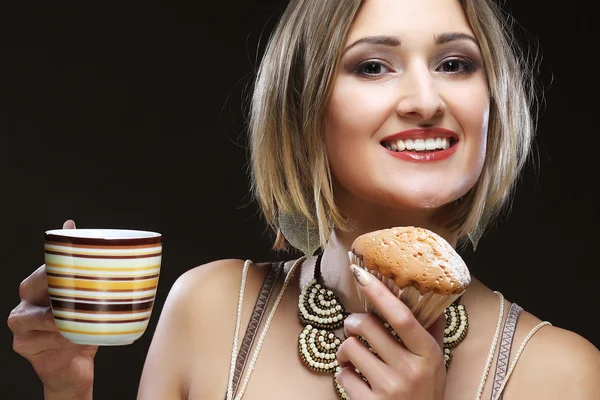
(196, 322)
(217, 277)
(208, 294)
(555, 363)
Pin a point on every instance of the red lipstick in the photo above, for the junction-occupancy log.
(423, 134)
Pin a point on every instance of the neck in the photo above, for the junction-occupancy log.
(335, 264)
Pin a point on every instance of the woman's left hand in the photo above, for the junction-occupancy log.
(411, 369)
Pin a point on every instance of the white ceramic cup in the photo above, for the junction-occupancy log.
(102, 283)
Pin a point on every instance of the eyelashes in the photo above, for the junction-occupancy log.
(370, 68)
(450, 66)
(457, 65)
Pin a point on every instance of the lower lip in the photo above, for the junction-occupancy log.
(431, 156)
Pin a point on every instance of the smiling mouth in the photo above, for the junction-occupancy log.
(419, 145)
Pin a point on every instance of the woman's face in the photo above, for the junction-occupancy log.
(408, 116)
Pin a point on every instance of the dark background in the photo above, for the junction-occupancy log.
(131, 116)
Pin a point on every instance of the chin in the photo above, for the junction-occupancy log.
(426, 200)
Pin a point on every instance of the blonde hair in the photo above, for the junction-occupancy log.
(288, 159)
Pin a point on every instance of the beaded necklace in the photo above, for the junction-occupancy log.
(321, 312)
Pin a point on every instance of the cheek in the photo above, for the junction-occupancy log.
(357, 111)
(470, 107)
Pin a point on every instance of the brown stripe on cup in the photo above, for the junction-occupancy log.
(102, 321)
(103, 278)
(104, 256)
(104, 300)
(100, 307)
(102, 242)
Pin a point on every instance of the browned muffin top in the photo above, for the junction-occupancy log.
(413, 256)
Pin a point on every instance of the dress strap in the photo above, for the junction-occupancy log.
(508, 334)
(519, 351)
(256, 318)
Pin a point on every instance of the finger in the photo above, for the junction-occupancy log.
(27, 318)
(354, 352)
(34, 288)
(69, 224)
(437, 330)
(353, 384)
(397, 314)
(369, 327)
(35, 343)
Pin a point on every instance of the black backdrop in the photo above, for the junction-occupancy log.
(131, 116)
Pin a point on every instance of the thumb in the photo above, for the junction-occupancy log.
(69, 224)
(437, 330)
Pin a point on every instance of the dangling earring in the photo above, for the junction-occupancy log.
(299, 232)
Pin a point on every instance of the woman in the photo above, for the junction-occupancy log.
(365, 115)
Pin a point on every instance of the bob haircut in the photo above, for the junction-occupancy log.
(288, 158)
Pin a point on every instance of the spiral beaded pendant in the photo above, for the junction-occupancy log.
(319, 307)
(457, 325)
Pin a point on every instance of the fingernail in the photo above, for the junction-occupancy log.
(354, 319)
(362, 277)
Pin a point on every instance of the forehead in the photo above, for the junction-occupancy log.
(409, 18)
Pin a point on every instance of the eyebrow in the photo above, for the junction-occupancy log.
(393, 41)
(453, 36)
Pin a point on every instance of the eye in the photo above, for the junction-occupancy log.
(456, 66)
(371, 68)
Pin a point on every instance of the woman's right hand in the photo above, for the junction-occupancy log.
(66, 369)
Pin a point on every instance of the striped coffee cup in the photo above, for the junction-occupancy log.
(102, 283)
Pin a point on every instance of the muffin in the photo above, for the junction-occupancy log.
(418, 266)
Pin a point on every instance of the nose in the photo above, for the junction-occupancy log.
(419, 97)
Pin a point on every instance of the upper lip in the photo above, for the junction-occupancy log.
(421, 133)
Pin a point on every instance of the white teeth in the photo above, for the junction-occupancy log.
(440, 143)
(400, 145)
(430, 144)
(419, 145)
